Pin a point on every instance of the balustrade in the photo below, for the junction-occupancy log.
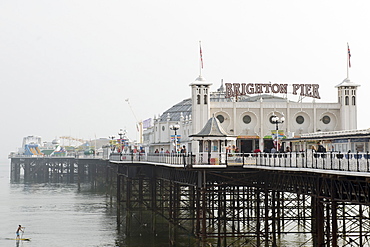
(353, 162)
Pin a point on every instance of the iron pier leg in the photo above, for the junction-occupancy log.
(334, 226)
(266, 217)
(273, 218)
(318, 221)
(128, 205)
(204, 212)
(119, 177)
(258, 220)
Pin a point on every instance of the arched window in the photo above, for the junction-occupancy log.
(205, 99)
(220, 118)
(347, 100)
(353, 100)
(198, 99)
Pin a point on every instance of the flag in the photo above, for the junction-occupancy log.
(201, 56)
(349, 56)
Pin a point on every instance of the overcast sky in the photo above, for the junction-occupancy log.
(66, 67)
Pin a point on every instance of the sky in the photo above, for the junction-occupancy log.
(66, 67)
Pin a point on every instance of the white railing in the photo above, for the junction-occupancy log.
(354, 162)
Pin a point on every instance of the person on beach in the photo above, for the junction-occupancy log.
(19, 229)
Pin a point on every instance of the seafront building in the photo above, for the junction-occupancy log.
(246, 110)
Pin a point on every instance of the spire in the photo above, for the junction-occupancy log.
(221, 89)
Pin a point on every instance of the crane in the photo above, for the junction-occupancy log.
(73, 139)
(139, 124)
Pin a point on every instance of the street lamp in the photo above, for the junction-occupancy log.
(121, 133)
(276, 120)
(175, 127)
(111, 143)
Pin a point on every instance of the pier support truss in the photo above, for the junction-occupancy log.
(243, 208)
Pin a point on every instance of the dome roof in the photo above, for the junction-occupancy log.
(184, 107)
(347, 83)
(200, 81)
(175, 111)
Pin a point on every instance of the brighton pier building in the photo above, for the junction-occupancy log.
(245, 116)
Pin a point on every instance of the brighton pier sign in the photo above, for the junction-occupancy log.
(237, 89)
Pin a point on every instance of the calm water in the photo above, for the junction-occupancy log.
(55, 214)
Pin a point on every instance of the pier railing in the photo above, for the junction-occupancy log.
(352, 162)
(186, 159)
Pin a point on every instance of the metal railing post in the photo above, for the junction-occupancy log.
(331, 160)
(348, 158)
(305, 157)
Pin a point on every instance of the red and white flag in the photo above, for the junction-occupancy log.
(349, 56)
(201, 56)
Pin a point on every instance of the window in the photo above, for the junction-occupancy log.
(299, 120)
(353, 100)
(198, 99)
(247, 119)
(326, 119)
(205, 99)
(163, 128)
(220, 118)
(346, 100)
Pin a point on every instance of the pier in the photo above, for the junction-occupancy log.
(316, 199)
(59, 169)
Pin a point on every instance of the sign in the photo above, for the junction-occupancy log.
(280, 132)
(178, 138)
(147, 123)
(237, 89)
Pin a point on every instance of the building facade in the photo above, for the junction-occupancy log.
(246, 110)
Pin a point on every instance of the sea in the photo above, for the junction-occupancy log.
(60, 215)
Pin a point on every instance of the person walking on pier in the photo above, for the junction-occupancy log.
(19, 229)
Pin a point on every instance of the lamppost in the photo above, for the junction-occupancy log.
(175, 127)
(121, 133)
(111, 143)
(276, 120)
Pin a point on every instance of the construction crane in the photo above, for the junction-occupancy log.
(82, 141)
(139, 124)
